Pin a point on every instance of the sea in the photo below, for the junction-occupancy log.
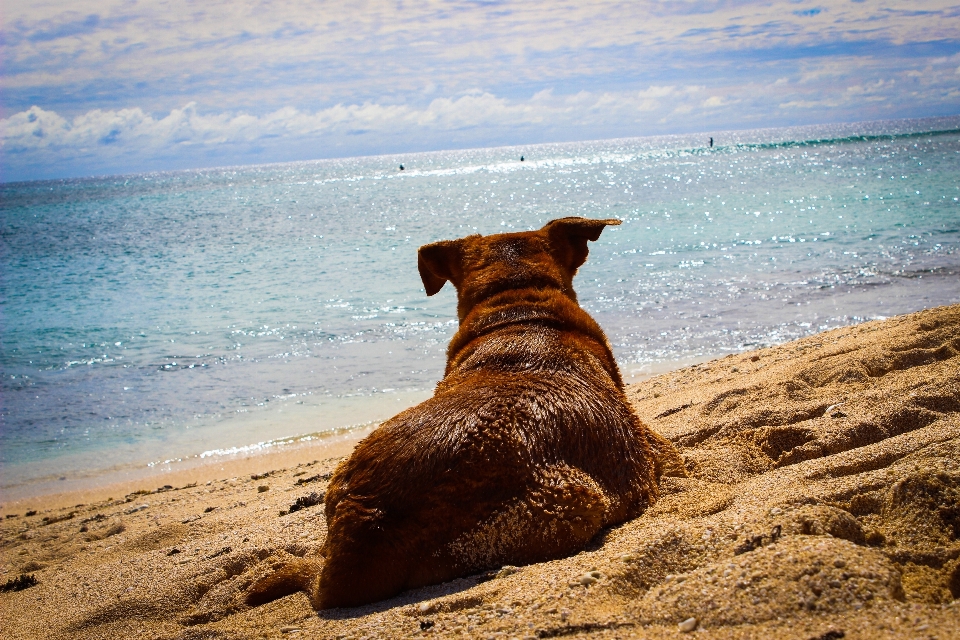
(164, 319)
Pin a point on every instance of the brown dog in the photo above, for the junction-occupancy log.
(526, 450)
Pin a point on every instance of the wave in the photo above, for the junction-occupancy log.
(815, 142)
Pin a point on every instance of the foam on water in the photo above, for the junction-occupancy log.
(157, 317)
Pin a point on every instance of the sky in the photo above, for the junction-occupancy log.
(94, 87)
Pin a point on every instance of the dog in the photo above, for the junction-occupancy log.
(527, 449)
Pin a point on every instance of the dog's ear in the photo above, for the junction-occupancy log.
(568, 238)
(439, 262)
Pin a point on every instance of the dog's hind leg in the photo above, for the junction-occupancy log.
(570, 507)
(556, 517)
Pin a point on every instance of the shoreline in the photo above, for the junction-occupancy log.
(229, 441)
(228, 466)
(253, 458)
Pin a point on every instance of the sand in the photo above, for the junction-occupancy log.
(823, 501)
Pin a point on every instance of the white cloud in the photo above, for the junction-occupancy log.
(808, 104)
(656, 92)
(40, 136)
(870, 88)
(714, 102)
(37, 129)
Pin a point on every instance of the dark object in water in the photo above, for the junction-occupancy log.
(401, 167)
(21, 582)
(711, 143)
(527, 449)
(521, 158)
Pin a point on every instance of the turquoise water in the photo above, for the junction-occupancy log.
(157, 317)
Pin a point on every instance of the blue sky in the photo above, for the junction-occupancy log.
(118, 86)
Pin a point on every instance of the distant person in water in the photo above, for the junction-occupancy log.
(711, 146)
(401, 166)
(521, 158)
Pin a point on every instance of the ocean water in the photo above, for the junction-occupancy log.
(158, 318)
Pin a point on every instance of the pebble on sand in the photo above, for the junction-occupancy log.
(589, 578)
(688, 625)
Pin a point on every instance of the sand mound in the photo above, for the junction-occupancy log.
(823, 501)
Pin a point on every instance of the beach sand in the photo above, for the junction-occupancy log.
(823, 501)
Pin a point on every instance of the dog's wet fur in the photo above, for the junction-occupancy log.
(525, 452)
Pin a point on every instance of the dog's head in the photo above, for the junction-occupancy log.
(482, 266)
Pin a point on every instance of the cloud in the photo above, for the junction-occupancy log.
(714, 102)
(37, 129)
(871, 88)
(809, 104)
(40, 138)
(657, 92)
(66, 28)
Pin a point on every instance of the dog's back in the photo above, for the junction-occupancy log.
(527, 449)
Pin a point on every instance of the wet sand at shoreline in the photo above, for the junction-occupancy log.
(823, 499)
(335, 446)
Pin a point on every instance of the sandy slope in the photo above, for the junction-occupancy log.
(823, 502)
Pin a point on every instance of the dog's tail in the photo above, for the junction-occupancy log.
(296, 574)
